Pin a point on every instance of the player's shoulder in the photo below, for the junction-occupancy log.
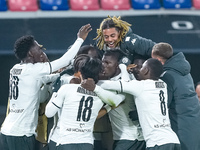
(70, 86)
(42, 64)
(38, 68)
(68, 89)
(65, 79)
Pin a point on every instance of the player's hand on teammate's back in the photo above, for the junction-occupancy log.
(83, 31)
(88, 84)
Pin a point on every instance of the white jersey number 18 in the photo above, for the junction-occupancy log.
(88, 103)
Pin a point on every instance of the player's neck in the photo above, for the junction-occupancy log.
(25, 61)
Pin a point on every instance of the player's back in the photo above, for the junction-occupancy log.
(151, 102)
(79, 112)
(25, 83)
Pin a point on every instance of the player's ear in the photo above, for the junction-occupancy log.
(77, 74)
(161, 60)
(158, 58)
(30, 57)
(30, 54)
(81, 77)
(44, 58)
(146, 70)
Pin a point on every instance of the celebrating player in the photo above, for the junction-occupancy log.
(19, 127)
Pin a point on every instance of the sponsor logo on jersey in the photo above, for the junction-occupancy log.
(162, 125)
(78, 130)
(165, 124)
(16, 110)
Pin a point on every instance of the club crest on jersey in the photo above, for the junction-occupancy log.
(133, 41)
(82, 125)
(13, 106)
(124, 60)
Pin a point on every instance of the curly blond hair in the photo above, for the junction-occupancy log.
(112, 22)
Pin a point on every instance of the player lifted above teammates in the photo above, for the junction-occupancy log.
(114, 32)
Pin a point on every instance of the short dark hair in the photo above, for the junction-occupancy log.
(116, 53)
(86, 48)
(88, 66)
(164, 50)
(156, 68)
(23, 45)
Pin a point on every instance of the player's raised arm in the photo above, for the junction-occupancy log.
(71, 53)
(55, 103)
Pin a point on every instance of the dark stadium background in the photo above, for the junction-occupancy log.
(181, 29)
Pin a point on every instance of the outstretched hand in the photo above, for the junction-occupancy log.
(88, 84)
(83, 31)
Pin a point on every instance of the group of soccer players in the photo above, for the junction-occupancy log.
(143, 109)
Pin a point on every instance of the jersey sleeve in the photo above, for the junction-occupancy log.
(110, 85)
(132, 87)
(109, 97)
(68, 56)
(39, 69)
(124, 73)
(55, 102)
(49, 78)
(139, 45)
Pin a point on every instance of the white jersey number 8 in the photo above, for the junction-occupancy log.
(162, 103)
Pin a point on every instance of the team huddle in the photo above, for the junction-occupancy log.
(145, 89)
